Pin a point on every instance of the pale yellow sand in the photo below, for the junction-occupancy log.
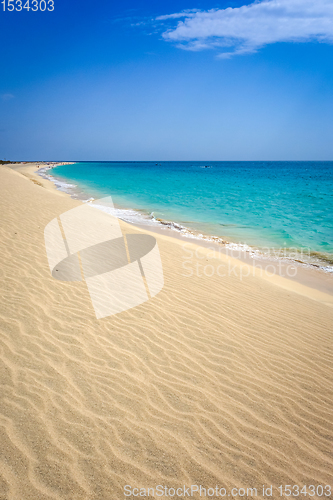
(215, 381)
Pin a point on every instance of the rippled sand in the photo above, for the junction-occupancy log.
(215, 381)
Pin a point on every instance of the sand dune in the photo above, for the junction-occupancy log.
(215, 381)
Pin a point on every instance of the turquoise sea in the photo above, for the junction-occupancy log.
(281, 205)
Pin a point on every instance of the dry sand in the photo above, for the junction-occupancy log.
(215, 381)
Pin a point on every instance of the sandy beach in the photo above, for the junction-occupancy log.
(217, 381)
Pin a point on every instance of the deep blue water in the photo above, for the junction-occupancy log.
(258, 203)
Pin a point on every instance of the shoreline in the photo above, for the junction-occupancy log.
(28, 169)
(305, 257)
(297, 274)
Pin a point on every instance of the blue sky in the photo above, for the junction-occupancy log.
(168, 80)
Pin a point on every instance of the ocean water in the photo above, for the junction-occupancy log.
(263, 205)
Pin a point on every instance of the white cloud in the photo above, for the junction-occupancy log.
(245, 29)
(6, 97)
(184, 13)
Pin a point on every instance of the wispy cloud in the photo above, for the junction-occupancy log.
(244, 30)
(6, 97)
(184, 13)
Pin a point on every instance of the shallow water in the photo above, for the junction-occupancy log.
(286, 205)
